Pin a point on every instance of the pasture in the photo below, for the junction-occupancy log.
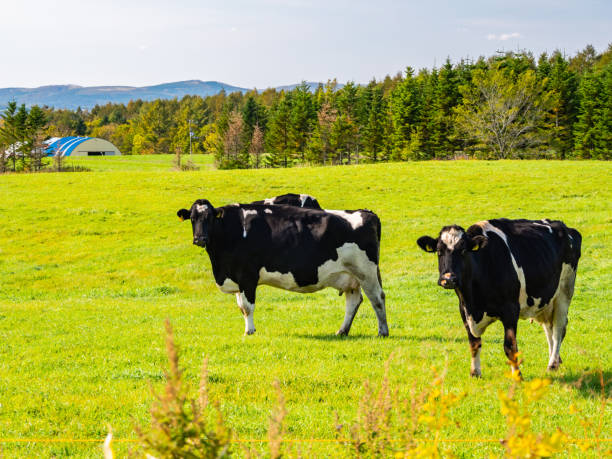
(92, 263)
(140, 163)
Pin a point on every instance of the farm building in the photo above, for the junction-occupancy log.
(80, 146)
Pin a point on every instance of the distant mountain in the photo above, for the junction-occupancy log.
(72, 96)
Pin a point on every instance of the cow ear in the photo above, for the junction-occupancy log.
(478, 242)
(183, 214)
(428, 244)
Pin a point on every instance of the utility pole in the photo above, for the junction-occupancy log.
(190, 135)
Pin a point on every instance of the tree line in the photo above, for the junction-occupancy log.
(509, 105)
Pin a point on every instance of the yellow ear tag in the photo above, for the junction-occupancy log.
(220, 213)
(181, 219)
(475, 248)
(430, 248)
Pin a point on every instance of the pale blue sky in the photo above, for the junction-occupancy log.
(274, 42)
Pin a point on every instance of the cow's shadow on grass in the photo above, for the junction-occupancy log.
(393, 338)
(351, 337)
(589, 383)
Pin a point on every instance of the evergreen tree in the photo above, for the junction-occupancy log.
(36, 148)
(278, 137)
(374, 131)
(9, 132)
(562, 83)
(446, 99)
(405, 107)
(592, 132)
(303, 118)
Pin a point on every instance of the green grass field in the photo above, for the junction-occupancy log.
(140, 163)
(92, 263)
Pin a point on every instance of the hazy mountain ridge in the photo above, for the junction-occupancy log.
(73, 96)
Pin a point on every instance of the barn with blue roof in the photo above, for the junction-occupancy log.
(80, 146)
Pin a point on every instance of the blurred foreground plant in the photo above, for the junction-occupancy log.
(182, 426)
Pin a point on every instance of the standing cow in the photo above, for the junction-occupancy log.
(292, 199)
(509, 269)
(292, 248)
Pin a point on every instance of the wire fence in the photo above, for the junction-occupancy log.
(291, 440)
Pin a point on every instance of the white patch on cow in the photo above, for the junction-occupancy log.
(478, 328)
(247, 309)
(268, 211)
(545, 225)
(229, 286)
(303, 198)
(537, 311)
(475, 364)
(201, 207)
(558, 317)
(269, 201)
(522, 299)
(451, 237)
(342, 274)
(245, 214)
(355, 219)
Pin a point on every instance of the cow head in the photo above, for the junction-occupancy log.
(454, 248)
(201, 214)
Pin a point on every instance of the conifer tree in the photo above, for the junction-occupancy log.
(405, 107)
(374, 131)
(592, 138)
(303, 118)
(278, 137)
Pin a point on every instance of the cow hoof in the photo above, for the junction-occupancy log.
(383, 335)
(475, 374)
(553, 367)
(249, 332)
(342, 333)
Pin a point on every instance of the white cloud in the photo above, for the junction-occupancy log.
(503, 36)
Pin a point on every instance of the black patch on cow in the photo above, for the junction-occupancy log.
(539, 252)
(292, 199)
(530, 301)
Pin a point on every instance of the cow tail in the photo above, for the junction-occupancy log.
(378, 234)
(576, 244)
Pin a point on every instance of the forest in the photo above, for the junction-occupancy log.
(509, 105)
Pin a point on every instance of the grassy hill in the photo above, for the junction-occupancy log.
(92, 263)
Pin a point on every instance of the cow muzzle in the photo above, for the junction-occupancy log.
(448, 280)
(200, 241)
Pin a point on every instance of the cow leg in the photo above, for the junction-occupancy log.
(548, 331)
(475, 346)
(510, 347)
(353, 301)
(246, 303)
(376, 295)
(559, 326)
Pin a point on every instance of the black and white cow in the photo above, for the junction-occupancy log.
(509, 269)
(292, 248)
(292, 199)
